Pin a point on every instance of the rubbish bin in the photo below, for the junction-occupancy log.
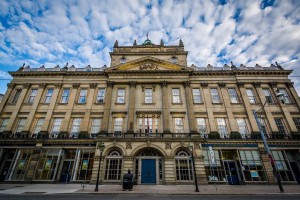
(128, 181)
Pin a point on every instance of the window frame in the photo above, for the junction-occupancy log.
(100, 95)
(32, 95)
(118, 128)
(244, 134)
(297, 123)
(75, 127)
(148, 96)
(235, 98)
(65, 98)
(174, 99)
(16, 96)
(177, 126)
(252, 98)
(197, 98)
(222, 131)
(54, 130)
(38, 127)
(121, 96)
(202, 128)
(282, 129)
(83, 93)
(216, 95)
(286, 97)
(47, 96)
(268, 95)
(6, 120)
(95, 126)
(20, 127)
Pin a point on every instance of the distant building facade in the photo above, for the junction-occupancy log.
(147, 108)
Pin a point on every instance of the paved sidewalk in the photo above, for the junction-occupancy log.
(155, 189)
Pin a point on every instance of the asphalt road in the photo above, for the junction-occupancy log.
(146, 197)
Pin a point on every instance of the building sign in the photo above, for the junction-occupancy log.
(254, 174)
(212, 155)
(48, 165)
(84, 164)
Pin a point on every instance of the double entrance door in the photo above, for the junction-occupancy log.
(148, 170)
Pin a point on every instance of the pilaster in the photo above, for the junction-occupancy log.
(190, 106)
(131, 107)
(165, 107)
(107, 106)
(10, 87)
(209, 108)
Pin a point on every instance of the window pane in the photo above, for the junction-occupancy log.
(65, 96)
(197, 96)
(56, 125)
(100, 96)
(96, 123)
(178, 125)
(148, 95)
(32, 95)
(175, 95)
(48, 95)
(268, 95)
(233, 95)
(286, 97)
(280, 126)
(4, 123)
(82, 96)
(16, 96)
(251, 96)
(121, 96)
(242, 127)
(215, 95)
(38, 125)
(20, 125)
(222, 128)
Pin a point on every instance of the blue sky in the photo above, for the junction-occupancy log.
(82, 32)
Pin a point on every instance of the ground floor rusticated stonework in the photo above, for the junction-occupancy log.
(152, 161)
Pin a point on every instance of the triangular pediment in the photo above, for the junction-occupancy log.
(149, 63)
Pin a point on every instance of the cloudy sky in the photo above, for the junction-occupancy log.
(82, 32)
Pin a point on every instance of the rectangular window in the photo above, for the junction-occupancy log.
(296, 121)
(56, 126)
(118, 126)
(233, 95)
(148, 125)
(175, 95)
(148, 95)
(95, 126)
(251, 95)
(65, 95)
(202, 127)
(82, 96)
(197, 95)
(280, 126)
(243, 127)
(48, 95)
(38, 125)
(32, 95)
(121, 95)
(100, 95)
(178, 125)
(75, 129)
(268, 95)
(283, 165)
(16, 96)
(222, 128)
(4, 123)
(263, 126)
(213, 165)
(20, 125)
(215, 95)
(286, 98)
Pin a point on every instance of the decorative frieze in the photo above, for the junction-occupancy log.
(222, 84)
(132, 84)
(11, 85)
(76, 85)
(164, 83)
(110, 83)
(93, 85)
(186, 83)
(204, 84)
(26, 85)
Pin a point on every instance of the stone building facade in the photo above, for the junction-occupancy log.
(147, 108)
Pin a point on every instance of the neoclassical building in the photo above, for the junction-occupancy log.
(146, 109)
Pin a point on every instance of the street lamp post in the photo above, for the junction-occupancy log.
(275, 172)
(101, 147)
(191, 148)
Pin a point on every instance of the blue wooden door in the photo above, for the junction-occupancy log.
(148, 171)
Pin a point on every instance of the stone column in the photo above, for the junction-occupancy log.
(128, 163)
(45, 127)
(89, 104)
(165, 107)
(107, 106)
(33, 108)
(248, 107)
(95, 167)
(131, 107)
(209, 107)
(169, 170)
(10, 87)
(227, 105)
(13, 117)
(190, 107)
(65, 123)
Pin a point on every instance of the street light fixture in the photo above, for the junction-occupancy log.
(101, 147)
(191, 148)
(280, 96)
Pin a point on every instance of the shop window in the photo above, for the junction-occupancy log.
(282, 165)
(184, 168)
(22, 163)
(85, 165)
(251, 165)
(113, 166)
(213, 166)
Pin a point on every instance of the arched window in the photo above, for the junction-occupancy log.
(184, 168)
(113, 167)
